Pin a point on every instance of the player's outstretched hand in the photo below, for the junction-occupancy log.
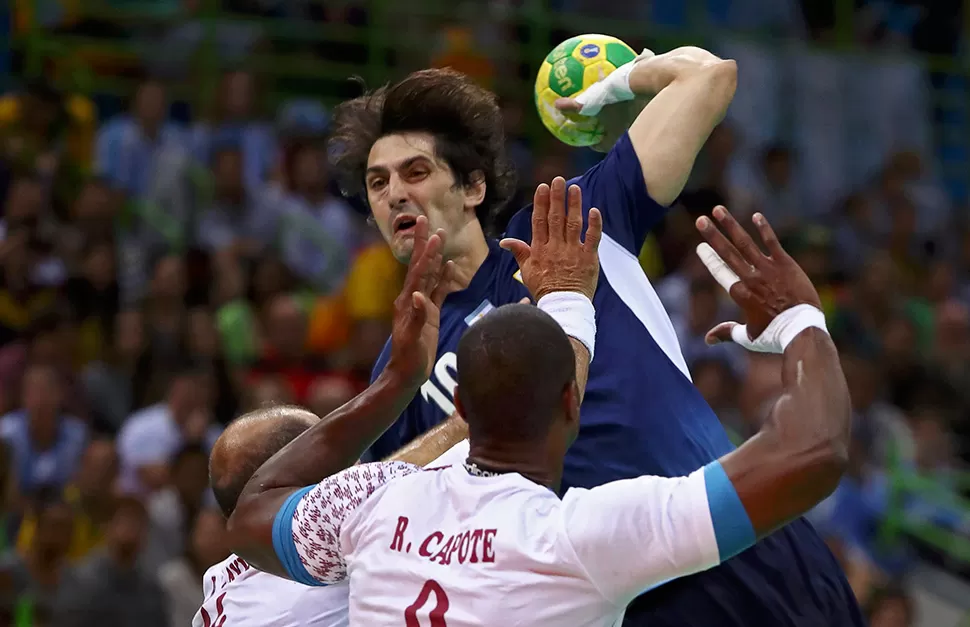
(417, 310)
(559, 259)
(762, 285)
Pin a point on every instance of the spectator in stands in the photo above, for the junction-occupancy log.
(285, 352)
(235, 122)
(46, 132)
(22, 296)
(951, 348)
(111, 587)
(374, 281)
(90, 497)
(235, 318)
(234, 221)
(115, 384)
(133, 147)
(202, 343)
(180, 577)
(32, 577)
(49, 341)
(870, 303)
(172, 509)
(773, 190)
(165, 313)
(150, 439)
(47, 444)
(93, 293)
(318, 231)
(91, 219)
(855, 238)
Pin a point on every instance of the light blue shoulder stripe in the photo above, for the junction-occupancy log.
(283, 542)
(732, 526)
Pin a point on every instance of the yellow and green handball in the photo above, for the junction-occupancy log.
(566, 72)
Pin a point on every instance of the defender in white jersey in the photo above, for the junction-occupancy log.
(488, 542)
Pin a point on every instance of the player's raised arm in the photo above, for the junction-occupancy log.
(561, 267)
(339, 439)
(689, 90)
(635, 534)
(800, 453)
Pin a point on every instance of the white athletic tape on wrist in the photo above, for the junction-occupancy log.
(782, 330)
(574, 313)
(612, 89)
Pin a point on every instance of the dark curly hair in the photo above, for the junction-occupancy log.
(464, 119)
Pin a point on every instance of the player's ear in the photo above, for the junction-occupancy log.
(570, 402)
(458, 408)
(475, 190)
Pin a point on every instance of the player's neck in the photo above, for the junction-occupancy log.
(470, 251)
(526, 459)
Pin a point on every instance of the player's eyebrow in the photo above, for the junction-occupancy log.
(383, 169)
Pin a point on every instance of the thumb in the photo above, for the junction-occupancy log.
(723, 332)
(419, 310)
(568, 104)
(519, 249)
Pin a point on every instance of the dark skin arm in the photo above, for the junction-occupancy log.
(801, 451)
(338, 440)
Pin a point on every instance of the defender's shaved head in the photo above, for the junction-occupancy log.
(247, 443)
(513, 367)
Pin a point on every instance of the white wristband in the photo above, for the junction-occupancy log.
(782, 330)
(610, 90)
(574, 313)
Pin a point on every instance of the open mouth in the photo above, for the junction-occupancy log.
(404, 224)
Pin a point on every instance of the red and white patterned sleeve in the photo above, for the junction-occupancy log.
(306, 532)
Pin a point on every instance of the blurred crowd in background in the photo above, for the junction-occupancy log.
(165, 266)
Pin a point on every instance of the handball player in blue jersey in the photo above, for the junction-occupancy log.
(432, 145)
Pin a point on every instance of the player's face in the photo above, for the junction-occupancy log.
(404, 180)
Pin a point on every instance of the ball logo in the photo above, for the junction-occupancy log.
(589, 50)
(560, 71)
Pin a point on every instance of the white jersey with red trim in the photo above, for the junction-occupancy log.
(238, 595)
(446, 547)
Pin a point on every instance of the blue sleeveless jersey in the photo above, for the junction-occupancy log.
(641, 415)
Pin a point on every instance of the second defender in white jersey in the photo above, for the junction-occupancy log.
(238, 595)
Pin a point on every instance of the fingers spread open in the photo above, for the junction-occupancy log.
(594, 231)
(574, 214)
(724, 249)
(768, 236)
(557, 209)
(739, 237)
(540, 214)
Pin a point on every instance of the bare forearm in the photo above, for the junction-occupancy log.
(582, 365)
(338, 440)
(328, 447)
(798, 457)
(690, 91)
(434, 443)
